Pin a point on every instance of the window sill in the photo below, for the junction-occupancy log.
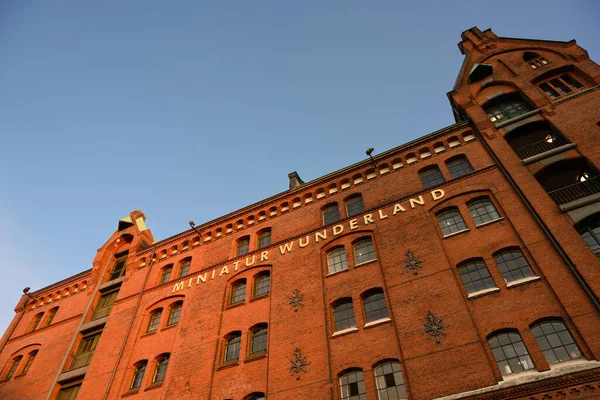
(456, 233)
(262, 296)
(168, 327)
(20, 375)
(377, 322)
(228, 364)
(256, 356)
(365, 263)
(336, 272)
(148, 333)
(155, 385)
(130, 392)
(522, 281)
(483, 292)
(238, 304)
(490, 222)
(518, 118)
(344, 332)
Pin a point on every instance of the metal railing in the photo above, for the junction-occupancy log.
(576, 191)
(550, 143)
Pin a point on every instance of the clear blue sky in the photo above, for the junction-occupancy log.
(190, 110)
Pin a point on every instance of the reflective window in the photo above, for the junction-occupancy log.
(104, 306)
(184, 267)
(13, 367)
(36, 321)
(232, 347)
(238, 292)
(354, 206)
(174, 313)
(556, 342)
(243, 246)
(450, 221)
(154, 320)
(343, 314)
(389, 381)
(118, 269)
(51, 315)
(262, 284)
(331, 214)
(364, 251)
(475, 276)
(138, 374)
(459, 166)
(85, 351)
(375, 305)
(264, 238)
(352, 385)
(510, 353)
(431, 177)
(165, 275)
(336, 260)
(513, 265)
(506, 108)
(561, 86)
(30, 360)
(483, 210)
(162, 362)
(258, 341)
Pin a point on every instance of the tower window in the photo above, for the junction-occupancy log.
(505, 108)
(118, 269)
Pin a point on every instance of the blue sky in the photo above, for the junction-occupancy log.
(190, 110)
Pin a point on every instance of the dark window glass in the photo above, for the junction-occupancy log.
(506, 108)
(262, 284)
(560, 86)
(590, 233)
(364, 251)
(571, 81)
(354, 206)
(482, 211)
(118, 269)
(69, 393)
(258, 342)
(243, 246)
(375, 306)
(232, 347)
(51, 315)
(175, 313)
(32, 356)
(459, 166)
(550, 92)
(451, 221)
(85, 351)
(389, 381)
(431, 177)
(352, 385)
(154, 320)
(138, 374)
(104, 306)
(476, 276)
(160, 373)
(238, 292)
(556, 342)
(513, 265)
(36, 321)
(331, 214)
(184, 268)
(256, 396)
(264, 239)
(165, 275)
(13, 367)
(336, 260)
(510, 353)
(343, 315)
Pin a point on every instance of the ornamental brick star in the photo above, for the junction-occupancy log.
(296, 300)
(434, 327)
(412, 262)
(298, 364)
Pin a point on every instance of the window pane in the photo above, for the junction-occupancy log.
(154, 321)
(262, 284)
(375, 306)
(336, 260)
(343, 315)
(243, 246)
(431, 177)
(166, 275)
(476, 276)
(550, 92)
(510, 353)
(331, 214)
(451, 221)
(483, 211)
(264, 239)
(352, 385)
(184, 268)
(259, 340)
(174, 314)
(118, 269)
(354, 206)
(513, 265)
(364, 251)
(161, 369)
(232, 348)
(571, 81)
(238, 292)
(556, 342)
(459, 167)
(389, 381)
(138, 375)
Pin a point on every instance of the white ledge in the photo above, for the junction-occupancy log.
(337, 272)
(482, 292)
(490, 222)
(456, 233)
(522, 280)
(344, 331)
(364, 263)
(377, 322)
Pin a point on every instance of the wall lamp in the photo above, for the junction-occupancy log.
(26, 293)
(370, 151)
(193, 226)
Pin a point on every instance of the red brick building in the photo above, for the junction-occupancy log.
(464, 264)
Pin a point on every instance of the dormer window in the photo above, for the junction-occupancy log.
(534, 60)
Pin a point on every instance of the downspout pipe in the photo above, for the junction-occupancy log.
(565, 257)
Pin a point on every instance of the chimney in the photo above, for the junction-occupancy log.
(295, 180)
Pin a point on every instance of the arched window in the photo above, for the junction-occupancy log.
(459, 166)
(36, 321)
(375, 306)
(431, 176)
(165, 274)
(389, 381)
(243, 246)
(343, 314)
(184, 267)
(13, 367)
(354, 205)
(154, 320)
(510, 352)
(534, 60)
(255, 396)
(30, 360)
(560, 85)
(258, 338)
(232, 346)
(513, 265)
(51, 315)
(160, 372)
(262, 284)
(589, 230)
(556, 342)
(482, 210)
(118, 269)
(105, 305)
(238, 291)
(175, 313)
(352, 385)
(139, 369)
(506, 107)
(450, 221)
(264, 238)
(331, 214)
(475, 276)
(336, 260)
(363, 251)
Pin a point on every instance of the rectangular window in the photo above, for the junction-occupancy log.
(119, 269)
(104, 306)
(85, 351)
(560, 86)
(69, 393)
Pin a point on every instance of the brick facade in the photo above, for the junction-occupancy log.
(536, 199)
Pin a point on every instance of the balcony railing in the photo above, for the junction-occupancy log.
(81, 360)
(576, 191)
(551, 142)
